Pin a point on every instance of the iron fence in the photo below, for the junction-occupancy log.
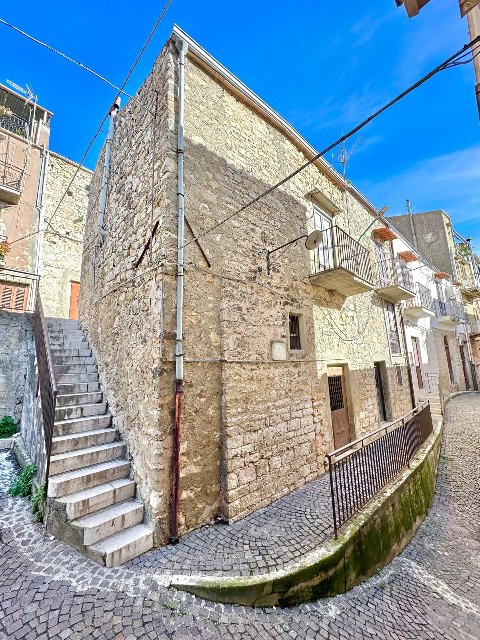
(450, 308)
(360, 469)
(339, 250)
(11, 176)
(47, 386)
(422, 298)
(397, 272)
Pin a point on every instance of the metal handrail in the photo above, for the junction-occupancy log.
(339, 250)
(397, 272)
(423, 298)
(47, 384)
(360, 469)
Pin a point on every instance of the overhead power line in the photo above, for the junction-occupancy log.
(97, 132)
(448, 63)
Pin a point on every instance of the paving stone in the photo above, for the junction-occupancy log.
(430, 592)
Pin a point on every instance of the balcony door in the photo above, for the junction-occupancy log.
(381, 256)
(464, 367)
(323, 253)
(74, 295)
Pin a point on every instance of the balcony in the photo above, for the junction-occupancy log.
(396, 282)
(421, 305)
(11, 178)
(341, 264)
(474, 323)
(449, 313)
(14, 124)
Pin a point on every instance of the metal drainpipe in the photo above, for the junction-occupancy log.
(409, 370)
(177, 423)
(106, 168)
(41, 213)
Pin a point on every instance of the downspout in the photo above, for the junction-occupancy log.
(409, 369)
(40, 202)
(106, 169)
(177, 423)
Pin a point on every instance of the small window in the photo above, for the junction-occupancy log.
(294, 331)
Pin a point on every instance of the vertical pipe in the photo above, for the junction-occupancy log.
(177, 423)
(106, 169)
(41, 218)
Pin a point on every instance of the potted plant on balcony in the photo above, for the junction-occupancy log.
(4, 249)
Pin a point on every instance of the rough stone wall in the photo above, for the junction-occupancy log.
(458, 376)
(63, 241)
(121, 306)
(16, 347)
(275, 417)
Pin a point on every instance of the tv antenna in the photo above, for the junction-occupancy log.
(344, 154)
(27, 91)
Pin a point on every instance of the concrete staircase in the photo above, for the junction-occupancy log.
(91, 502)
(435, 406)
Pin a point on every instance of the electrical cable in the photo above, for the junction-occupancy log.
(92, 141)
(403, 94)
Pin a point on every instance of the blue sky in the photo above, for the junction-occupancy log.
(322, 66)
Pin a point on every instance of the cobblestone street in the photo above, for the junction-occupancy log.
(431, 591)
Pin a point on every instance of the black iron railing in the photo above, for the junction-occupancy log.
(47, 386)
(339, 250)
(423, 298)
(395, 272)
(450, 308)
(360, 469)
(10, 176)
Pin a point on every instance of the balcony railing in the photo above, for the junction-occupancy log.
(10, 176)
(15, 124)
(450, 309)
(395, 280)
(360, 469)
(340, 252)
(422, 298)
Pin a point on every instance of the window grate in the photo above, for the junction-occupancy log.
(294, 330)
(335, 390)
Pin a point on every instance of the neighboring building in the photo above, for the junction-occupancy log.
(456, 293)
(281, 365)
(43, 242)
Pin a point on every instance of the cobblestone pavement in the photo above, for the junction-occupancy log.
(430, 592)
(268, 539)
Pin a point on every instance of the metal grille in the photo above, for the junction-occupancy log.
(336, 392)
(339, 249)
(47, 387)
(360, 469)
(294, 328)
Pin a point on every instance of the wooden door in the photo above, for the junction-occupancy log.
(323, 253)
(338, 407)
(464, 367)
(382, 411)
(74, 295)
(417, 361)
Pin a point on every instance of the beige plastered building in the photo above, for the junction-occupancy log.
(281, 364)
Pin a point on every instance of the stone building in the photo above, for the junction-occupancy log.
(42, 226)
(456, 293)
(282, 355)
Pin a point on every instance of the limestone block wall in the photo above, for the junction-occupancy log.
(458, 378)
(16, 348)
(61, 257)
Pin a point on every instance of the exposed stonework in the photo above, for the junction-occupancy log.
(16, 348)
(253, 428)
(63, 242)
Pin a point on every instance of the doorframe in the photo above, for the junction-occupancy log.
(377, 366)
(348, 397)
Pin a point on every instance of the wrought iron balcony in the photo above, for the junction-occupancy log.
(449, 312)
(11, 178)
(15, 124)
(341, 264)
(421, 305)
(396, 282)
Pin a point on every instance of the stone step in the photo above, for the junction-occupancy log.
(60, 351)
(76, 399)
(60, 369)
(79, 425)
(83, 503)
(87, 478)
(68, 343)
(73, 359)
(55, 334)
(114, 519)
(83, 440)
(80, 387)
(80, 411)
(62, 322)
(72, 378)
(74, 460)
(122, 547)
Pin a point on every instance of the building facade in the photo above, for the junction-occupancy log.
(287, 353)
(456, 294)
(41, 227)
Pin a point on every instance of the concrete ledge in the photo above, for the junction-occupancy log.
(5, 443)
(373, 538)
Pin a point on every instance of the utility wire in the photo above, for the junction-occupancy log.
(425, 78)
(120, 89)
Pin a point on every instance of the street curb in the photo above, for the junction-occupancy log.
(373, 538)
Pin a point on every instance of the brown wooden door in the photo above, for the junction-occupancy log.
(417, 362)
(338, 407)
(74, 295)
(464, 367)
(13, 297)
(449, 359)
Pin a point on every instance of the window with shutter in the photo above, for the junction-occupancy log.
(13, 297)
